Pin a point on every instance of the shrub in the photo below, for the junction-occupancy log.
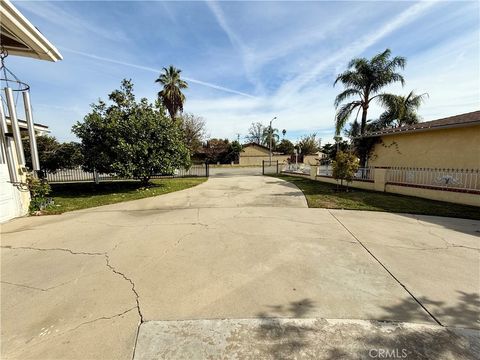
(345, 166)
(39, 189)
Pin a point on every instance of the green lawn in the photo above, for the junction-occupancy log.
(324, 195)
(75, 196)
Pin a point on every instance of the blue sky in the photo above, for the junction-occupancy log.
(249, 61)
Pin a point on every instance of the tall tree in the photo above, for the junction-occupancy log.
(285, 147)
(54, 155)
(171, 95)
(194, 132)
(363, 80)
(270, 132)
(124, 138)
(256, 133)
(401, 110)
(309, 144)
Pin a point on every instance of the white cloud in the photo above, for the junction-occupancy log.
(354, 48)
(67, 20)
(156, 71)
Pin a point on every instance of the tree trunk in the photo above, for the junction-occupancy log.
(363, 126)
(145, 180)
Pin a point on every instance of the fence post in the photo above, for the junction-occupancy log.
(380, 179)
(277, 167)
(207, 169)
(313, 172)
(95, 176)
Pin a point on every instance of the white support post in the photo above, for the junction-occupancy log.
(31, 131)
(7, 142)
(12, 112)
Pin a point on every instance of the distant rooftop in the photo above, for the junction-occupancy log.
(462, 120)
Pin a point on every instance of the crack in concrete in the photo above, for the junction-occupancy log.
(449, 246)
(107, 261)
(51, 249)
(447, 243)
(100, 318)
(24, 286)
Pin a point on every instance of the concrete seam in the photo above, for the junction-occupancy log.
(388, 271)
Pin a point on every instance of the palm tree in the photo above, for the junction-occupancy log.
(267, 132)
(364, 79)
(401, 110)
(171, 95)
(284, 132)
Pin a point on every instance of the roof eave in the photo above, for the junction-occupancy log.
(38, 45)
(409, 131)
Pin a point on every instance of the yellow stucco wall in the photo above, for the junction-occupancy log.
(253, 150)
(254, 155)
(457, 148)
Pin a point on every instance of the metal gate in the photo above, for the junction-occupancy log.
(270, 167)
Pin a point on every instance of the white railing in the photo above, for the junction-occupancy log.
(297, 168)
(446, 178)
(324, 170)
(361, 174)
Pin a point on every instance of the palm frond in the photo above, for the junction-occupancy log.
(343, 114)
(344, 95)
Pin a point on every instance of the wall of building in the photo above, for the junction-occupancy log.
(455, 148)
(257, 160)
(254, 155)
(448, 196)
(14, 198)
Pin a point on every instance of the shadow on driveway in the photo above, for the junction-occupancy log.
(345, 339)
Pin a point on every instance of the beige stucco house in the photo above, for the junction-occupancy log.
(253, 154)
(448, 143)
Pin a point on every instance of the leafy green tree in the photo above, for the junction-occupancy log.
(285, 147)
(70, 154)
(344, 167)
(400, 110)
(171, 95)
(330, 151)
(309, 144)
(233, 153)
(363, 80)
(130, 138)
(216, 150)
(54, 155)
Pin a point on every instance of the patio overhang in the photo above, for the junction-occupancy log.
(19, 37)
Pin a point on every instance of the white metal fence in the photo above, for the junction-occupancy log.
(361, 174)
(78, 175)
(445, 178)
(297, 168)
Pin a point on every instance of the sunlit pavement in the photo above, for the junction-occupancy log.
(245, 248)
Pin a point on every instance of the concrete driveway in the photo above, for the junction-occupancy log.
(139, 278)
